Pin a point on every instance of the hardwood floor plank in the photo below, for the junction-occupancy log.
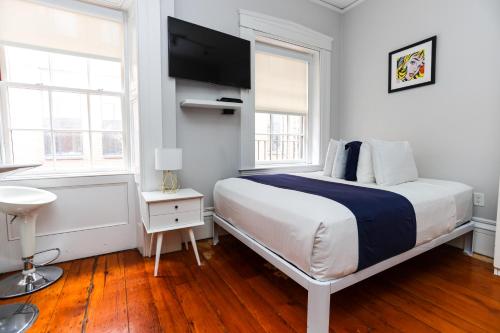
(107, 309)
(420, 308)
(258, 306)
(142, 313)
(232, 313)
(69, 311)
(170, 313)
(199, 312)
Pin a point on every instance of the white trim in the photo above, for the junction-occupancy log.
(254, 25)
(275, 168)
(84, 8)
(149, 89)
(169, 96)
(483, 220)
(335, 8)
(247, 120)
(286, 29)
(318, 316)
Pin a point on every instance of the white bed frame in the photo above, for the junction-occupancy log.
(318, 302)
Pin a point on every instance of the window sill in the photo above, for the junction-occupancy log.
(15, 177)
(280, 168)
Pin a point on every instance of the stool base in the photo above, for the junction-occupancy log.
(19, 284)
(17, 318)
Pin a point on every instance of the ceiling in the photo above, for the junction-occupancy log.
(338, 5)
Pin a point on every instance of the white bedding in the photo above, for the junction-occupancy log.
(319, 235)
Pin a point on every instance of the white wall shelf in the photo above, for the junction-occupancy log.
(208, 104)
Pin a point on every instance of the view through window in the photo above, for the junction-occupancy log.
(63, 110)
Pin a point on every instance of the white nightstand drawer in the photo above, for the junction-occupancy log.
(177, 206)
(172, 220)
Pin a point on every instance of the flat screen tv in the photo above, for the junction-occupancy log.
(203, 54)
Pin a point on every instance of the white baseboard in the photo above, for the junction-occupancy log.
(484, 236)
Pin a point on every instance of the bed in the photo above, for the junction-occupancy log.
(314, 239)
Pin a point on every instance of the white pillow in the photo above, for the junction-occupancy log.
(338, 170)
(365, 174)
(330, 157)
(393, 162)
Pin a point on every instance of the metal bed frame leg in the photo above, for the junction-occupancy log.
(215, 234)
(468, 242)
(318, 308)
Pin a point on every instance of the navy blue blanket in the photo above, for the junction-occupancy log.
(386, 220)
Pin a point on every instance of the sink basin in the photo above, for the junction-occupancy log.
(18, 200)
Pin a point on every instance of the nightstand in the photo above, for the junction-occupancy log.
(164, 212)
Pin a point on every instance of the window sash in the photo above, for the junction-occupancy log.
(302, 140)
(7, 149)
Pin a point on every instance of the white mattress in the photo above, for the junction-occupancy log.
(319, 235)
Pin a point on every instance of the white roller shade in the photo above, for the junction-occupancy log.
(280, 83)
(30, 23)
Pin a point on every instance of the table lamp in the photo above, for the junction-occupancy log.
(168, 160)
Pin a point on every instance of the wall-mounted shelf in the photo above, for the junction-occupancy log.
(208, 104)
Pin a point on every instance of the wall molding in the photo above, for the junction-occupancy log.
(292, 31)
(343, 10)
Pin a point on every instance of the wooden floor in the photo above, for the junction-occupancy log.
(236, 291)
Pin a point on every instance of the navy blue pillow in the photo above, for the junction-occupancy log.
(351, 166)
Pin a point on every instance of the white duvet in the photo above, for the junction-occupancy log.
(319, 235)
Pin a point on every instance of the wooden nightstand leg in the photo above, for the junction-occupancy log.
(184, 240)
(195, 248)
(151, 240)
(159, 240)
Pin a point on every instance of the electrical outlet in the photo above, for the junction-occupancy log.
(479, 199)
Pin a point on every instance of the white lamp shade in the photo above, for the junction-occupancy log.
(168, 159)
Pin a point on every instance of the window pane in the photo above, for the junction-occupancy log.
(72, 150)
(68, 71)
(69, 110)
(105, 75)
(27, 66)
(295, 124)
(107, 150)
(32, 147)
(278, 124)
(282, 140)
(69, 145)
(29, 108)
(262, 147)
(106, 112)
(262, 123)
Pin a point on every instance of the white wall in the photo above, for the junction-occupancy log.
(454, 125)
(210, 140)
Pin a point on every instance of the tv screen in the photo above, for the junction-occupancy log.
(203, 54)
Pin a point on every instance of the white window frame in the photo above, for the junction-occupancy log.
(5, 140)
(255, 26)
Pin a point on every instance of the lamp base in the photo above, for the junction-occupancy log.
(170, 183)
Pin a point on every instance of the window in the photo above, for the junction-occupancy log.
(61, 99)
(281, 104)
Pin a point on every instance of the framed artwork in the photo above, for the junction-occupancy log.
(413, 66)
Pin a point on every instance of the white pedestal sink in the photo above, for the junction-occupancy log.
(24, 203)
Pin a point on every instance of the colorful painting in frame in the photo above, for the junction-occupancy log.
(413, 66)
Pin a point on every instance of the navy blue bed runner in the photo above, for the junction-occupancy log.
(386, 221)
